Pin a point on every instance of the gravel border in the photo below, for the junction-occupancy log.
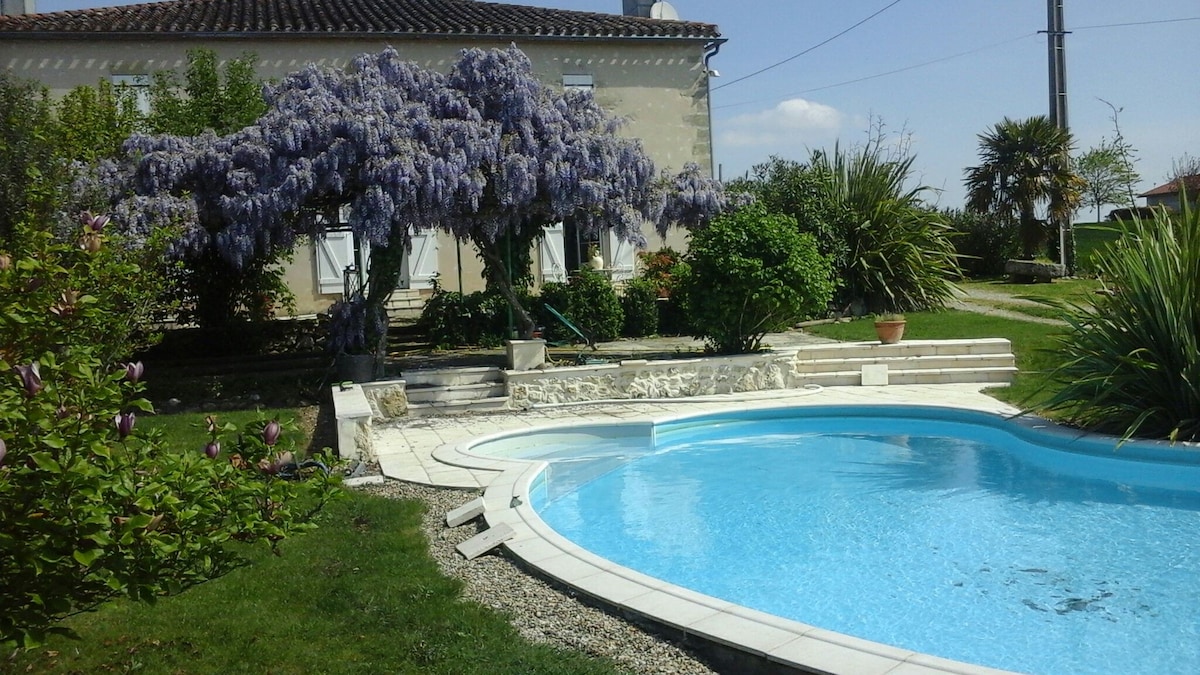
(540, 612)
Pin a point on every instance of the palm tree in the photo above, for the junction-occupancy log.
(1025, 164)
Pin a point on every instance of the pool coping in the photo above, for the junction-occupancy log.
(785, 642)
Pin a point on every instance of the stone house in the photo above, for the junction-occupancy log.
(652, 72)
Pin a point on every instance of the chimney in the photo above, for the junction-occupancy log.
(15, 7)
(632, 7)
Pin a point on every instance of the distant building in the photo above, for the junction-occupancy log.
(1167, 194)
(652, 72)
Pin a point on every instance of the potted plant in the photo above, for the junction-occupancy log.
(353, 359)
(889, 328)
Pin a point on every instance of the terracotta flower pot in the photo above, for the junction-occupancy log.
(889, 332)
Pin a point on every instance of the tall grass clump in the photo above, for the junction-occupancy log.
(1131, 361)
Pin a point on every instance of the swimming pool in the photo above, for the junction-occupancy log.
(940, 531)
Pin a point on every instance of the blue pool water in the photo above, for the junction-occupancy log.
(945, 532)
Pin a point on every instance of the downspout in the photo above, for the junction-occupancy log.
(710, 50)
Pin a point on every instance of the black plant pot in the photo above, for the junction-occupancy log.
(355, 367)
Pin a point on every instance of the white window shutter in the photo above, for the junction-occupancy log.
(552, 249)
(620, 257)
(335, 250)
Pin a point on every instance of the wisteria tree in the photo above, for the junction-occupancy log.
(486, 152)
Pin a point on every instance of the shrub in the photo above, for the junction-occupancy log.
(588, 301)
(899, 256)
(751, 272)
(593, 305)
(983, 242)
(661, 268)
(558, 296)
(1131, 360)
(640, 306)
(91, 508)
(450, 318)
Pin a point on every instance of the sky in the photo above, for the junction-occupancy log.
(936, 73)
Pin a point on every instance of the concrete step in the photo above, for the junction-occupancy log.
(445, 377)
(899, 363)
(483, 405)
(454, 392)
(853, 378)
(854, 350)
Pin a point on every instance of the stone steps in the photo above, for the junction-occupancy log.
(455, 391)
(460, 407)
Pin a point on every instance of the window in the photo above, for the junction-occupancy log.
(578, 82)
(140, 86)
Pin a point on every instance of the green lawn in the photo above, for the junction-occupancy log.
(1032, 344)
(1090, 239)
(358, 595)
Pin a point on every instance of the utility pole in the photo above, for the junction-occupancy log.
(1056, 34)
(1055, 41)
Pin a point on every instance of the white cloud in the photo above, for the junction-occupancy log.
(791, 122)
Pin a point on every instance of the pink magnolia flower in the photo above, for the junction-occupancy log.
(271, 432)
(31, 378)
(124, 422)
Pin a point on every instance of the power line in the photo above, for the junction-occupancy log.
(884, 74)
(924, 63)
(819, 44)
(1137, 23)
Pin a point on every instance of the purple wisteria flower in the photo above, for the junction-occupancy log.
(31, 378)
(124, 423)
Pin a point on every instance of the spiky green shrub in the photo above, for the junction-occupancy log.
(900, 256)
(751, 272)
(1131, 362)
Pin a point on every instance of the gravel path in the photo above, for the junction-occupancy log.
(540, 612)
(977, 300)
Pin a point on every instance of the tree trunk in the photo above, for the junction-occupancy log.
(387, 263)
(493, 254)
(1031, 235)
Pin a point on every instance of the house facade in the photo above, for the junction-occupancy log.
(1167, 194)
(654, 73)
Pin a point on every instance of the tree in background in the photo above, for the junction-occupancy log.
(1183, 166)
(94, 122)
(1025, 164)
(207, 99)
(485, 152)
(32, 172)
(1107, 176)
(795, 189)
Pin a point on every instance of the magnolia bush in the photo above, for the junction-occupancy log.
(91, 506)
